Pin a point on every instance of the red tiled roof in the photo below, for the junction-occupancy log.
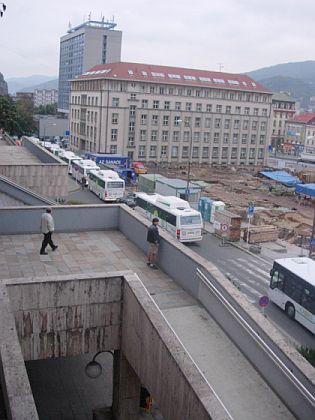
(304, 118)
(172, 75)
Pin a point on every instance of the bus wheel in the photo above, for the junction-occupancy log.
(290, 310)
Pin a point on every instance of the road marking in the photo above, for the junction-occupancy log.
(249, 270)
(264, 272)
(241, 286)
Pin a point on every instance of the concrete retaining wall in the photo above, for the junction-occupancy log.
(15, 220)
(161, 362)
(67, 317)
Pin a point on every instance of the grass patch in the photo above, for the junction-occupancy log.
(308, 353)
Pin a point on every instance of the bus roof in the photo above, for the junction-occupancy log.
(303, 267)
(174, 204)
(87, 163)
(106, 174)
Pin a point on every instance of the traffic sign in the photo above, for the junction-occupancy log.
(264, 301)
(250, 210)
(224, 227)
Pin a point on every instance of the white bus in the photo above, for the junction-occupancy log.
(292, 287)
(81, 168)
(175, 215)
(106, 184)
(69, 157)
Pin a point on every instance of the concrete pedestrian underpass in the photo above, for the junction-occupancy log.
(190, 366)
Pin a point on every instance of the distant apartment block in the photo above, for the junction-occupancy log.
(45, 97)
(93, 42)
(300, 132)
(155, 113)
(283, 109)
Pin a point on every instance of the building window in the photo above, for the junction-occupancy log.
(115, 102)
(198, 107)
(167, 105)
(164, 135)
(226, 138)
(234, 152)
(218, 108)
(243, 153)
(246, 110)
(144, 103)
(245, 124)
(165, 119)
(161, 90)
(206, 137)
(254, 125)
(132, 110)
(141, 152)
(207, 122)
(143, 135)
(217, 123)
(215, 152)
(227, 123)
(263, 125)
(235, 138)
(174, 151)
(196, 136)
(114, 118)
(216, 137)
(177, 120)
(244, 138)
(236, 124)
(156, 104)
(113, 149)
(251, 153)
(260, 153)
(195, 152)
(152, 151)
(186, 135)
(253, 139)
(262, 139)
(188, 106)
(237, 110)
(228, 109)
(131, 126)
(176, 136)
(155, 119)
(256, 111)
(208, 107)
(163, 151)
(205, 152)
(144, 119)
(225, 152)
(197, 122)
(185, 152)
(114, 134)
(178, 106)
(265, 112)
(154, 135)
(189, 92)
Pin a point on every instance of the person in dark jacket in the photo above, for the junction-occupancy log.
(153, 237)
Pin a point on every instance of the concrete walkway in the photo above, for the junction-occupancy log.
(237, 384)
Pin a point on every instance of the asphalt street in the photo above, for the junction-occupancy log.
(250, 275)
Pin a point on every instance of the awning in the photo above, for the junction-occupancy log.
(283, 177)
(307, 189)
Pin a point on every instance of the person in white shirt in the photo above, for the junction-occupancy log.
(47, 227)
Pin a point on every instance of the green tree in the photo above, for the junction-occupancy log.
(16, 117)
(50, 109)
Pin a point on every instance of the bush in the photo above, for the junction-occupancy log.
(308, 353)
(72, 203)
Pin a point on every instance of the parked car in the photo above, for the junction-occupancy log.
(129, 199)
(139, 168)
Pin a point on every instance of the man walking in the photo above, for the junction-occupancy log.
(153, 237)
(47, 227)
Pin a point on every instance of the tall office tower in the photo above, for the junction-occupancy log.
(91, 43)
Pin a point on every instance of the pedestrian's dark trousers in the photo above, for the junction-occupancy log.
(47, 240)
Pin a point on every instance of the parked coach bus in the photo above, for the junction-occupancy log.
(106, 184)
(175, 215)
(69, 157)
(292, 287)
(81, 169)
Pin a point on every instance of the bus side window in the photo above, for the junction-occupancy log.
(274, 279)
(293, 289)
(308, 300)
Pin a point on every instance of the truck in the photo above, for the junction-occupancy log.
(139, 168)
(109, 159)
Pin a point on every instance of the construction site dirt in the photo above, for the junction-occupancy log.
(275, 204)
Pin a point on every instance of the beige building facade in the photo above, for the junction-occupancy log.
(283, 109)
(157, 113)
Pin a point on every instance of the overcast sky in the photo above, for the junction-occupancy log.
(243, 35)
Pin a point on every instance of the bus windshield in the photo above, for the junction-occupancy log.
(190, 220)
